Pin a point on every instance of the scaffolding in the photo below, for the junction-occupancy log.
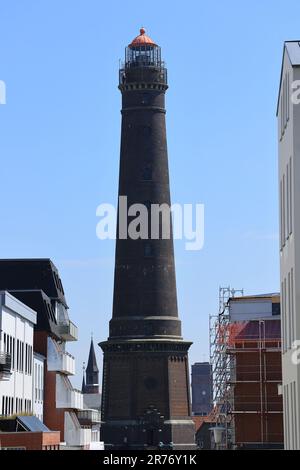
(222, 363)
(229, 341)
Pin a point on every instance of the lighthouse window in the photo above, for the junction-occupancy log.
(148, 250)
(147, 173)
(145, 98)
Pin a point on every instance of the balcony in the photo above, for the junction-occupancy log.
(5, 366)
(89, 417)
(80, 438)
(68, 331)
(71, 398)
(63, 362)
(75, 435)
(75, 399)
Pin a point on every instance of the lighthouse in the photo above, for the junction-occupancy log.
(145, 387)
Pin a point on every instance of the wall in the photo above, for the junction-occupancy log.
(19, 386)
(289, 143)
(31, 440)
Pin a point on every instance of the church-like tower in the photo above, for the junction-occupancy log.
(91, 373)
(145, 395)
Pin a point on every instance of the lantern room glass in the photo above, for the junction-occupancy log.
(147, 55)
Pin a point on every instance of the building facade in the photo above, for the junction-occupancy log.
(37, 284)
(145, 388)
(201, 388)
(288, 114)
(254, 349)
(247, 373)
(38, 385)
(17, 322)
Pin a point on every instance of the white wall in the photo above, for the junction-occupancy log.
(289, 198)
(38, 385)
(243, 310)
(17, 322)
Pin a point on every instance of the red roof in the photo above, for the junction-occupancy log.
(200, 420)
(142, 39)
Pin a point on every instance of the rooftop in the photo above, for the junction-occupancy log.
(142, 40)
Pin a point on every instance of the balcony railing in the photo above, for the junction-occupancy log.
(68, 331)
(73, 399)
(82, 437)
(89, 416)
(5, 366)
(63, 362)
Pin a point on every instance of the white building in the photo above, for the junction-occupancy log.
(288, 113)
(38, 385)
(254, 307)
(44, 387)
(16, 324)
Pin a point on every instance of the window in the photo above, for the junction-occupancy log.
(288, 96)
(35, 382)
(289, 309)
(281, 214)
(281, 116)
(283, 318)
(18, 355)
(291, 194)
(284, 104)
(145, 98)
(147, 173)
(285, 315)
(292, 306)
(26, 358)
(22, 356)
(287, 200)
(13, 365)
(29, 360)
(283, 209)
(148, 250)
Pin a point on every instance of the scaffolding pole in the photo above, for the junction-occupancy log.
(221, 363)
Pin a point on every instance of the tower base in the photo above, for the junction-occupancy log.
(128, 435)
(145, 400)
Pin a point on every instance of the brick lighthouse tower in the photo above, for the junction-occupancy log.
(145, 395)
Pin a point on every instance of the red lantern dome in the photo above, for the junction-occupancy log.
(142, 40)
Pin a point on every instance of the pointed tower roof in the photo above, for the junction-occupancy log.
(92, 362)
(83, 385)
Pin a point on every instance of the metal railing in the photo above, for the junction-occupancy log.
(68, 331)
(93, 416)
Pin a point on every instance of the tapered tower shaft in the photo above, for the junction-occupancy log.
(145, 395)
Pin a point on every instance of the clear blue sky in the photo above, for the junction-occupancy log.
(60, 130)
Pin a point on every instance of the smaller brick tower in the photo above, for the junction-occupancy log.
(92, 372)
